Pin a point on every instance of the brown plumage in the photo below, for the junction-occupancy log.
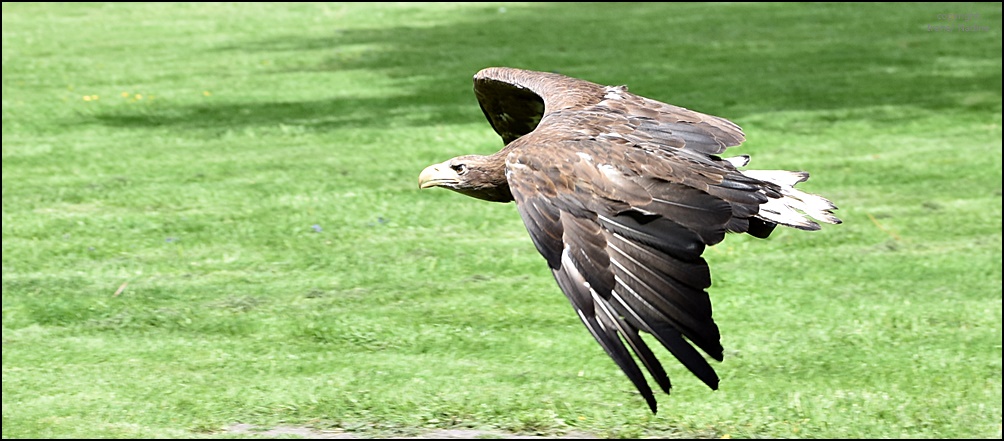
(621, 194)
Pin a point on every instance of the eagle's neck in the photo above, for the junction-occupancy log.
(487, 179)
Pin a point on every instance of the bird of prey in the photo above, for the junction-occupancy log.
(621, 194)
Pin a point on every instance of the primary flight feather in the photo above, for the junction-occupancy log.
(621, 194)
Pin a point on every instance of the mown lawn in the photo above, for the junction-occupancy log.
(211, 217)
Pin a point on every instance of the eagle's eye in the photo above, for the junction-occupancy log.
(459, 168)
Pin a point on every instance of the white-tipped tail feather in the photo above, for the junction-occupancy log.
(738, 161)
(794, 205)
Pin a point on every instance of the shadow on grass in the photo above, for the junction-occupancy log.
(731, 60)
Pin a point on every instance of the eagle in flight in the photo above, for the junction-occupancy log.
(621, 194)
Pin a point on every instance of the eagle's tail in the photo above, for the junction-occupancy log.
(794, 207)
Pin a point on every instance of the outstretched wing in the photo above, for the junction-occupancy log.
(625, 249)
(514, 101)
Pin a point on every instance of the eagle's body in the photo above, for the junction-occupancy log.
(621, 194)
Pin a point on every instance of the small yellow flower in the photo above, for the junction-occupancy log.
(726, 436)
(206, 93)
(125, 94)
(138, 96)
(87, 97)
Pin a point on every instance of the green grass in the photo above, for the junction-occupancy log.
(193, 151)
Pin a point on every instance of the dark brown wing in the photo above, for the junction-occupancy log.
(626, 247)
(514, 101)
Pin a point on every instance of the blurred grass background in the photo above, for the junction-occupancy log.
(210, 217)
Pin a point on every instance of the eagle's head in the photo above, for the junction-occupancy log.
(477, 176)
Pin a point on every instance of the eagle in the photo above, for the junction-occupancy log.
(621, 194)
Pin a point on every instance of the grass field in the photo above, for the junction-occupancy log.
(211, 216)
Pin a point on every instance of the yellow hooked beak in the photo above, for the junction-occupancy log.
(437, 175)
